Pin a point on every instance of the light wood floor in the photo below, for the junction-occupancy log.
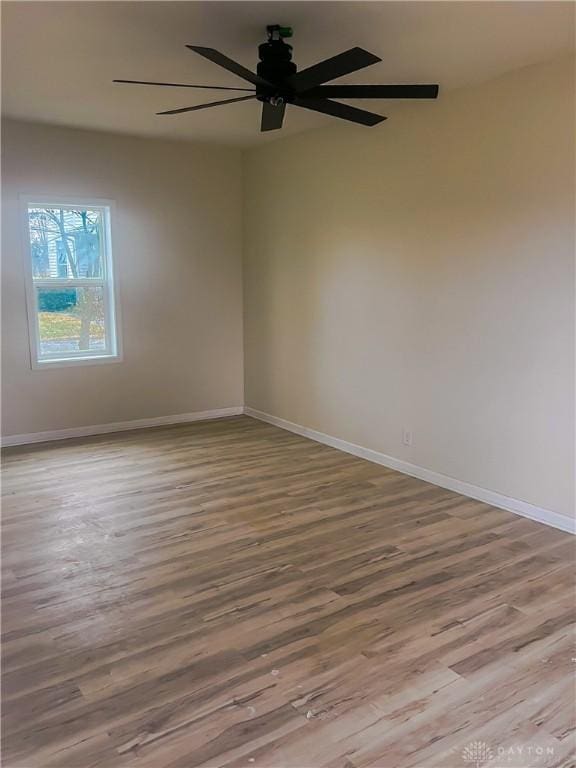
(229, 594)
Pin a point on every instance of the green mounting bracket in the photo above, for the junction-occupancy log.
(278, 32)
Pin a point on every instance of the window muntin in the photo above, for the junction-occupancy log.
(70, 283)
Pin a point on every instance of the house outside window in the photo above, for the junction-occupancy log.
(72, 303)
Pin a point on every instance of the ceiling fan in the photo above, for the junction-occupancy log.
(278, 83)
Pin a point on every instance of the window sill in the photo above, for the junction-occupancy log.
(39, 365)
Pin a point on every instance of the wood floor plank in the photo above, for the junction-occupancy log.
(229, 594)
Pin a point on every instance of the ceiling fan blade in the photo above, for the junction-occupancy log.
(272, 117)
(329, 69)
(232, 66)
(334, 108)
(422, 91)
(204, 106)
(184, 85)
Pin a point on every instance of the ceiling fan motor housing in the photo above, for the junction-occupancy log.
(275, 66)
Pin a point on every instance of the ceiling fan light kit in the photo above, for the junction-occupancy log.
(277, 83)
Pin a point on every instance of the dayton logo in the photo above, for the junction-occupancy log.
(477, 753)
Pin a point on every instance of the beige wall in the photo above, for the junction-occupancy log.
(421, 275)
(177, 253)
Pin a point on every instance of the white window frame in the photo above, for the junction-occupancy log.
(109, 284)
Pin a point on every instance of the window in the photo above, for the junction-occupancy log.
(70, 287)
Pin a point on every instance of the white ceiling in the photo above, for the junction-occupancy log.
(59, 58)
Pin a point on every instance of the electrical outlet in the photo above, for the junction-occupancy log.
(407, 436)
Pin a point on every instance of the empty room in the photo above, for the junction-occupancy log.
(288, 388)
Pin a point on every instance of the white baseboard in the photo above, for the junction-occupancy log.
(523, 508)
(120, 426)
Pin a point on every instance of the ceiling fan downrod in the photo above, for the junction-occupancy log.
(275, 65)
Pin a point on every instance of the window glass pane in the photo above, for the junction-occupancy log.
(66, 242)
(71, 320)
